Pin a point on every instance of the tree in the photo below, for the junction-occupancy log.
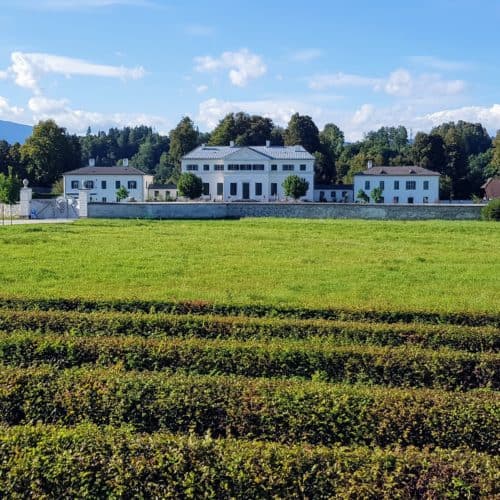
(9, 190)
(183, 139)
(494, 166)
(332, 141)
(295, 186)
(121, 193)
(302, 130)
(243, 129)
(377, 194)
(49, 152)
(190, 185)
(324, 169)
(362, 196)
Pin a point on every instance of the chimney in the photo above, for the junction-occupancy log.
(91, 162)
(268, 144)
(125, 162)
(231, 144)
(370, 164)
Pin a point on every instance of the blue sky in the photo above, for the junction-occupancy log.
(360, 64)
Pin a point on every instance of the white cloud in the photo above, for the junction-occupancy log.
(77, 120)
(201, 89)
(306, 55)
(363, 114)
(399, 83)
(9, 112)
(27, 68)
(439, 64)
(488, 116)
(280, 111)
(242, 65)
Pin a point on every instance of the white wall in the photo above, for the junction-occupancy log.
(390, 193)
(98, 194)
(266, 177)
(339, 195)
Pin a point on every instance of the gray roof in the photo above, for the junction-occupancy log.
(117, 170)
(272, 152)
(333, 187)
(170, 185)
(397, 171)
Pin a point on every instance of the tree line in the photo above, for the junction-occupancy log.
(463, 153)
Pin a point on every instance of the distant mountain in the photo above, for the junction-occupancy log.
(14, 132)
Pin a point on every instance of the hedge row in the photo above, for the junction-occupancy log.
(255, 310)
(472, 339)
(398, 366)
(92, 462)
(278, 410)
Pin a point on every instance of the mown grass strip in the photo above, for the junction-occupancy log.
(473, 339)
(254, 310)
(407, 366)
(278, 410)
(92, 462)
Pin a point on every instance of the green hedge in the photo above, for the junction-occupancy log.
(398, 366)
(255, 310)
(468, 338)
(279, 410)
(90, 462)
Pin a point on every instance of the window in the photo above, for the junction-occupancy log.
(206, 168)
(117, 184)
(288, 168)
(233, 189)
(395, 199)
(258, 189)
(104, 199)
(396, 185)
(274, 189)
(411, 185)
(218, 167)
(426, 199)
(426, 185)
(132, 184)
(220, 189)
(245, 167)
(333, 195)
(274, 167)
(302, 168)
(191, 168)
(367, 184)
(156, 194)
(381, 184)
(88, 184)
(206, 189)
(344, 195)
(410, 200)
(258, 167)
(75, 184)
(233, 166)
(103, 184)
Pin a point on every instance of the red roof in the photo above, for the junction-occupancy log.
(492, 188)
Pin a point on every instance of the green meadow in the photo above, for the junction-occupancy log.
(442, 266)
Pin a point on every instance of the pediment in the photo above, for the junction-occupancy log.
(246, 154)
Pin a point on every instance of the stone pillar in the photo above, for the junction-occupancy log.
(83, 201)
(25, 200)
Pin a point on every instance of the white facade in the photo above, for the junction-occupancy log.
(103, 182)
(403, 185)
(336, 193)
(239, 173)
(162, 192)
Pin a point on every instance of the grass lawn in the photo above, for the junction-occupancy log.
(431, 266)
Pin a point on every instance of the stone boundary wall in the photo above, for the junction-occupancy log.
(175, 210)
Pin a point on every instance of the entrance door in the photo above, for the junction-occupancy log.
(246, 190)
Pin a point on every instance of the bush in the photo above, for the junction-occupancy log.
(492, 210)
(189, 185)
(295, 186)
(473, 339)
(399, 366)
(277, 410)
(91, 462)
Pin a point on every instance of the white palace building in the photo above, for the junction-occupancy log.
(239, 173)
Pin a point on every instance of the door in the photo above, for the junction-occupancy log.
(246, 190)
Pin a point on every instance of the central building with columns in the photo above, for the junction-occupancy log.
(240, 173)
